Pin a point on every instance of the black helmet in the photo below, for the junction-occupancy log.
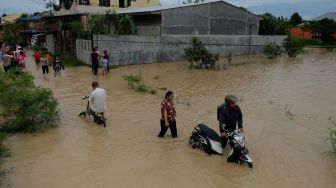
(230, 98)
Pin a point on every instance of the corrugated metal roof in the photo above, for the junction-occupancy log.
(131, 10)
(330, 15)
(83, 9)
(30, 19)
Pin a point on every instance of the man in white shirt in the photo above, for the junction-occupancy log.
(97, 100)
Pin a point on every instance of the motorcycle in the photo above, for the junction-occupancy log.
(97, 117)
(206, 138)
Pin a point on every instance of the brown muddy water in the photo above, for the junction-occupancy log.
(286, 106)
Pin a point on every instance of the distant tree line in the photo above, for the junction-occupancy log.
(271, 25)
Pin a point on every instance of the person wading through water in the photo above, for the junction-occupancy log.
(168, 114)
(228, 115)
(94, 58)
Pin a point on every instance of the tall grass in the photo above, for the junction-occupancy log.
(71, 61)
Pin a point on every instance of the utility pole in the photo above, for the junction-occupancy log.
(249, 47)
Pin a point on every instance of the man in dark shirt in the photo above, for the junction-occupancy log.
(230, 115)
(94, 58)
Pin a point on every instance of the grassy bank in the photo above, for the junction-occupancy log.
(24, 106)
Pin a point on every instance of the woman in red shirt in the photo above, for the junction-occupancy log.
(168, 114)
(37, 57)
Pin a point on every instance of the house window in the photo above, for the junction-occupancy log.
(121, 3)
(124, 3)
(104, 3)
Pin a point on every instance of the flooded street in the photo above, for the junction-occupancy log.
(286, 107)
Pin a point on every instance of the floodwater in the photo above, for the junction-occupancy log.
(286, 106)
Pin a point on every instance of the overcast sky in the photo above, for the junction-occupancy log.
(306, 8)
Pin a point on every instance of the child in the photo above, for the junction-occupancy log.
(105, 66)
(21, 59)
(37, 57)
(57, 65)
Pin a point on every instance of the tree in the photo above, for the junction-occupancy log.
(122, 25)
(267, 23)
(270, 25)
(243, 8)
(12, 29)
(325, 27)
(200, 55)
(50, 4)
(295, 19)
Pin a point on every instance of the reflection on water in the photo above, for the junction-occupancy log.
(286, 104)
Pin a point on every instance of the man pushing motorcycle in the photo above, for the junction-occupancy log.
(228, 115)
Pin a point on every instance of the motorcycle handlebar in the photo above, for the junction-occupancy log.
(86, 97)
(231, 133)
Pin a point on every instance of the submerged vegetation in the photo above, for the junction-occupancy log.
(134, 82)
(199, 55)
(294, 46)
(272, 50)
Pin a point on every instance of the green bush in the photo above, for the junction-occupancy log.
(272, 50)
(132, 80)
(22, 43)
(4, 152)
(141, 88)
(294, 46)
(200, 55)
(77, 27)
(25, 107)
(313, 42)
(71, 61)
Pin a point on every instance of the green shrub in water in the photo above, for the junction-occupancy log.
(4, 152)
(294, 46)
(272, 50)
(198, 54)
(132, 80)
(141, 88)
(25, 107)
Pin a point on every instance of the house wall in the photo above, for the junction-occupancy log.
(143, 3)
(298, 32)
(209, 19)
(50, 43)
(125, 50)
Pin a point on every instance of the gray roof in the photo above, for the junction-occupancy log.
(102, 10)
(330, 15)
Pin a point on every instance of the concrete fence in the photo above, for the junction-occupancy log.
(50, 44)
(125, 50)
